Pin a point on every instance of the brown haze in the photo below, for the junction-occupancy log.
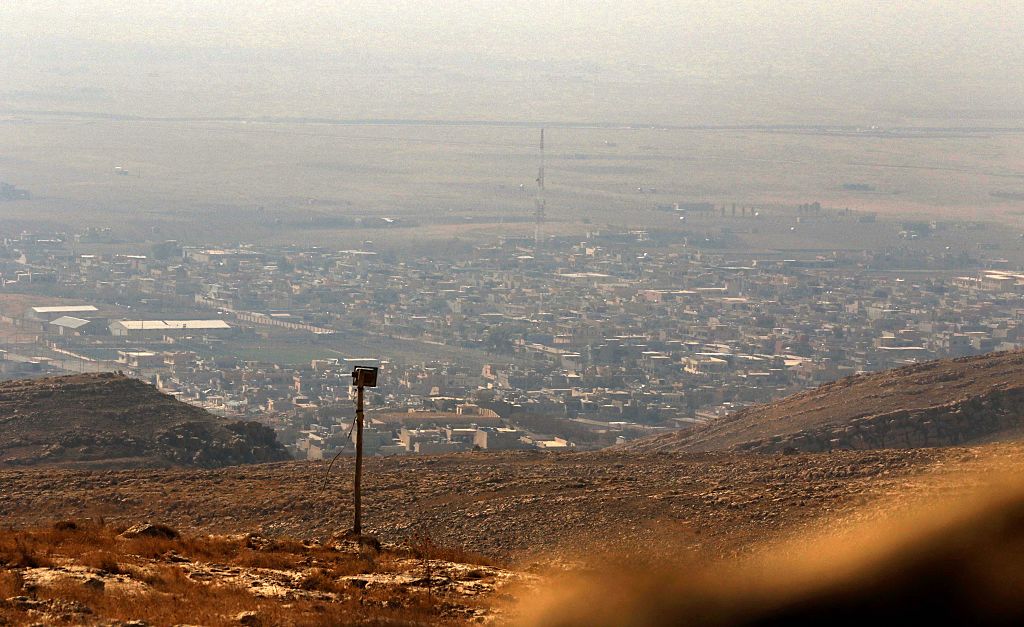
(945, 561)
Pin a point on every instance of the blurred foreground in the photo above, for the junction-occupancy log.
(949, 561)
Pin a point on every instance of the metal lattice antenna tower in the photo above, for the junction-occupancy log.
(538, 232)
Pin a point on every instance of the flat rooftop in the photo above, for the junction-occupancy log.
(65, 309)
(169, 325)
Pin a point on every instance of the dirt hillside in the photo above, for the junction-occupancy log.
(109, 420)
(940, 403)
(500, 503)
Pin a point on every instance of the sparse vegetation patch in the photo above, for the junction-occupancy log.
(90, 573)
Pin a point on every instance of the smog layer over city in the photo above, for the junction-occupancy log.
(577, 313)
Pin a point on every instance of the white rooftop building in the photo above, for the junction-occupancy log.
(123, 328)
(64, 309)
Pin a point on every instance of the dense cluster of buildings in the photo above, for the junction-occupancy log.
(583, 342)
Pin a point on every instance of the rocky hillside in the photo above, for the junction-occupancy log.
(940, 403)
(517, 504)
(597, 539)
(109, 420)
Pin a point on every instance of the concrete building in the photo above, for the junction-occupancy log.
(498, 439)
(150, 328)
(69, 326)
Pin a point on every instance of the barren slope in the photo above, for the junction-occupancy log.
(938, 403)
(502, 503)
(681, 520)
(111, 420)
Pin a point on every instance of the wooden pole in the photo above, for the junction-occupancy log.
(357, 526)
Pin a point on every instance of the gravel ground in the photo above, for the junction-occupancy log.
(522, 505)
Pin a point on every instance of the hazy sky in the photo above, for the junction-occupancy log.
(961, 55)
(940, 31)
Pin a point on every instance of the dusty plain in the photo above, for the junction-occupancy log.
(281, 180)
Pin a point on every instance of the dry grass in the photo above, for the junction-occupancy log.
(260, 559)
(321, 580)
(103, 561)
(423, 547)
(180, 600)
(175, 599)
(11, 584)
(461, 555)
(92, 544)
(20, 552)
(165, 593)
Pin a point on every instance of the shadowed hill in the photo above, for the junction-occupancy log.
(111, 420)
(938, 403)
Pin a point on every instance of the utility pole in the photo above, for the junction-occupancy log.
(362, 377)
(357, 525)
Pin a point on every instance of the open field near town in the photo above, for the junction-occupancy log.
(287, 181)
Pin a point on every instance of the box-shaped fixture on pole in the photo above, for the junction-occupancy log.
(364, 376)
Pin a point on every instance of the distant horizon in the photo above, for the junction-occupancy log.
(651, 63)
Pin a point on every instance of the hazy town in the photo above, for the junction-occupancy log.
(580, 342)
(462, 312)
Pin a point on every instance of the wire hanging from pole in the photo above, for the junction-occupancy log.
(327, 475)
